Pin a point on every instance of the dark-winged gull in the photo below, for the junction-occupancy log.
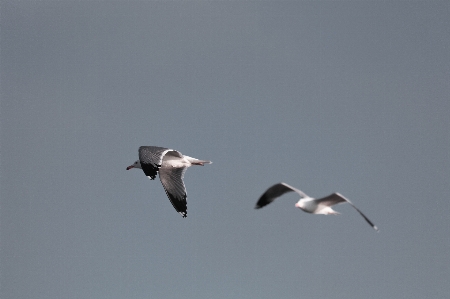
(171, 165)
(306, 203)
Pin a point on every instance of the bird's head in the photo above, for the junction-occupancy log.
(300, 204)
(136, 164)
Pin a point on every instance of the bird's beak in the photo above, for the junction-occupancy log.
(129, 167)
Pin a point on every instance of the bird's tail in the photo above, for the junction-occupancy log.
(200, 162)
(197, 161)
(333, 212)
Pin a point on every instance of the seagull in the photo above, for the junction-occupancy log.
(171, 165)
(306, 203)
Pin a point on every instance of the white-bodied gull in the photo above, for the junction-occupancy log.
(306, 203)
(171, 165)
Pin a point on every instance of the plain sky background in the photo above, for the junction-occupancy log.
(346, 96)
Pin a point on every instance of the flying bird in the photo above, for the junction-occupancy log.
(306, 203)
(171, 165)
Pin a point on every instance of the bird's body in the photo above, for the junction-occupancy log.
(307, 203)
(311, 206)
(171, 165)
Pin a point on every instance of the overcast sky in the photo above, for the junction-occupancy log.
(327, 96)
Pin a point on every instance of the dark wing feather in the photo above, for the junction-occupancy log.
(273, 193)
(172, 181)
(151, 159)
(331, 200)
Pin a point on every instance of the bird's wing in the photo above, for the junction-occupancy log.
(172, 181)
(274, 192)
(331, 200)
(151, 159)
(300, 192)
(336, 198)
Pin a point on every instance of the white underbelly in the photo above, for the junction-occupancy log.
(170, 161)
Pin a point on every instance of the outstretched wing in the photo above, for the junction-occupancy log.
(151, 158)
(336, 198)
(274, 192)
(331, 200)
(172, 181)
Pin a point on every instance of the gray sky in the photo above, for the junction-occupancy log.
(326, 96)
